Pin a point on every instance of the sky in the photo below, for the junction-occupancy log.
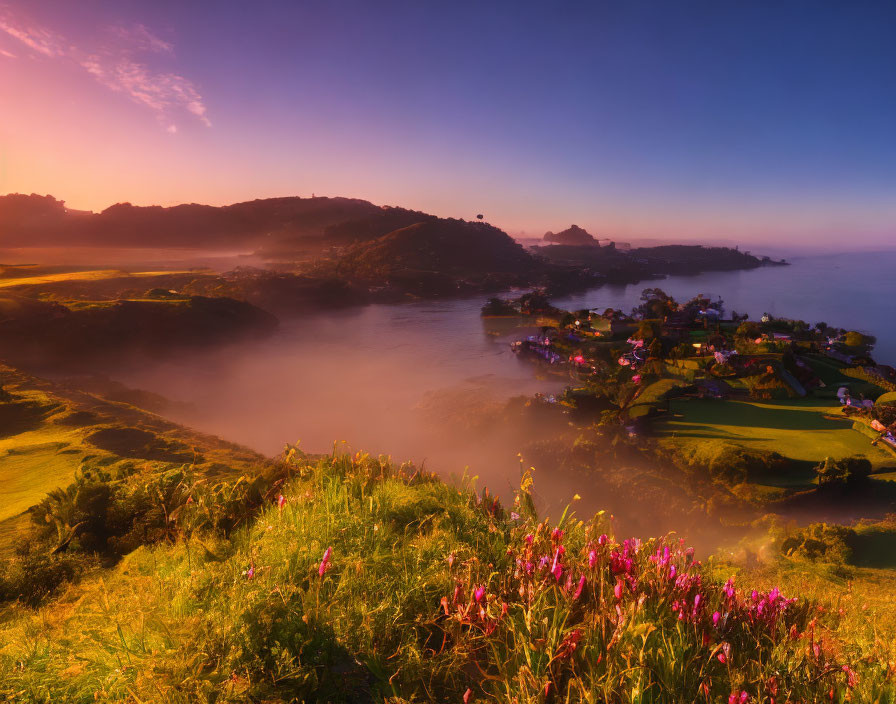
(720, 120)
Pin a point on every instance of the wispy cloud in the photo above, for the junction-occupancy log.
(117, 62)
(139, 37)
(7, 54)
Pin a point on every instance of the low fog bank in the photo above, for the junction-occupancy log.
(420, 382)
(423, 383)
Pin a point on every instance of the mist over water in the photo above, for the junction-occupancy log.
(424, 382)
(419, 382)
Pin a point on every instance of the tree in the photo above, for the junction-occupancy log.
(857, 339)
(748, 329)
(845, 473)
(646, 331)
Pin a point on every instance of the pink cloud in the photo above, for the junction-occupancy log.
(115, 64)
(139, 38)
(37, 38)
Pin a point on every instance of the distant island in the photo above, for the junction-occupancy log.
(573, 235)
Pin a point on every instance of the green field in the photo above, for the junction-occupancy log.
(33, 463)
(91, 275)
(804, 430)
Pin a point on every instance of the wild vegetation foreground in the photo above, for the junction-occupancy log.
(360, 581)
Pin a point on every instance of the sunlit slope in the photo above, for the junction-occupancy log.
(804, 430)
(90, 275)
(47, 430)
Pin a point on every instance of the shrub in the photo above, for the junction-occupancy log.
(820, 542)
(846, 473)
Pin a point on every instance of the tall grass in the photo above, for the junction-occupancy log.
(371, 582)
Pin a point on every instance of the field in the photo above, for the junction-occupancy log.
(806, 430)
(72, 276)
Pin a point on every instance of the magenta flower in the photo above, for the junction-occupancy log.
(617, 590)
(325, 562)
(250, 573)
(579, 588)
(478, 593)
(281, 502)
(592, 559)
(715, 618)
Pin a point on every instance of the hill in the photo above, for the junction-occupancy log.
(573, 235)
(32, 220)
(438, 256)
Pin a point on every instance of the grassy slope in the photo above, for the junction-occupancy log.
(47, 452)
(89, 275)
(185, 622)
(804, 429)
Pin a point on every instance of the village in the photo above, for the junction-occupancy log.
(807, 404)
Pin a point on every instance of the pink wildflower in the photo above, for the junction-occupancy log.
(592, 559)
(715, 618)
(617, 590)
(281, 502)
(451, 558)
(580, 588)
(325, 562)
(468, 696)
(479, 593)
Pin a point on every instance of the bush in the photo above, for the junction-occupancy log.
(858, 340)
(33, 574)
(848, 472)
(821, 542)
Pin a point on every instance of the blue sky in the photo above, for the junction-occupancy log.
(745, 121)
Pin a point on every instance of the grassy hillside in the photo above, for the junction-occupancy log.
(369, 582)
(802, 429)
(48, 431)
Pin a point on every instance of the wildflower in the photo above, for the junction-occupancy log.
(580, 587)
(557, 535)
(724, 653)
(617, 590)
(451, 559)
(592, 559)
(281, 502)
(715, 618)
(250, 573)
(514, 516)
(468, 696)
(325, 562)
(556, 569)
(479, 593)
(569, 644)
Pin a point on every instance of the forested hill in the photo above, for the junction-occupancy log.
(33, 220)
